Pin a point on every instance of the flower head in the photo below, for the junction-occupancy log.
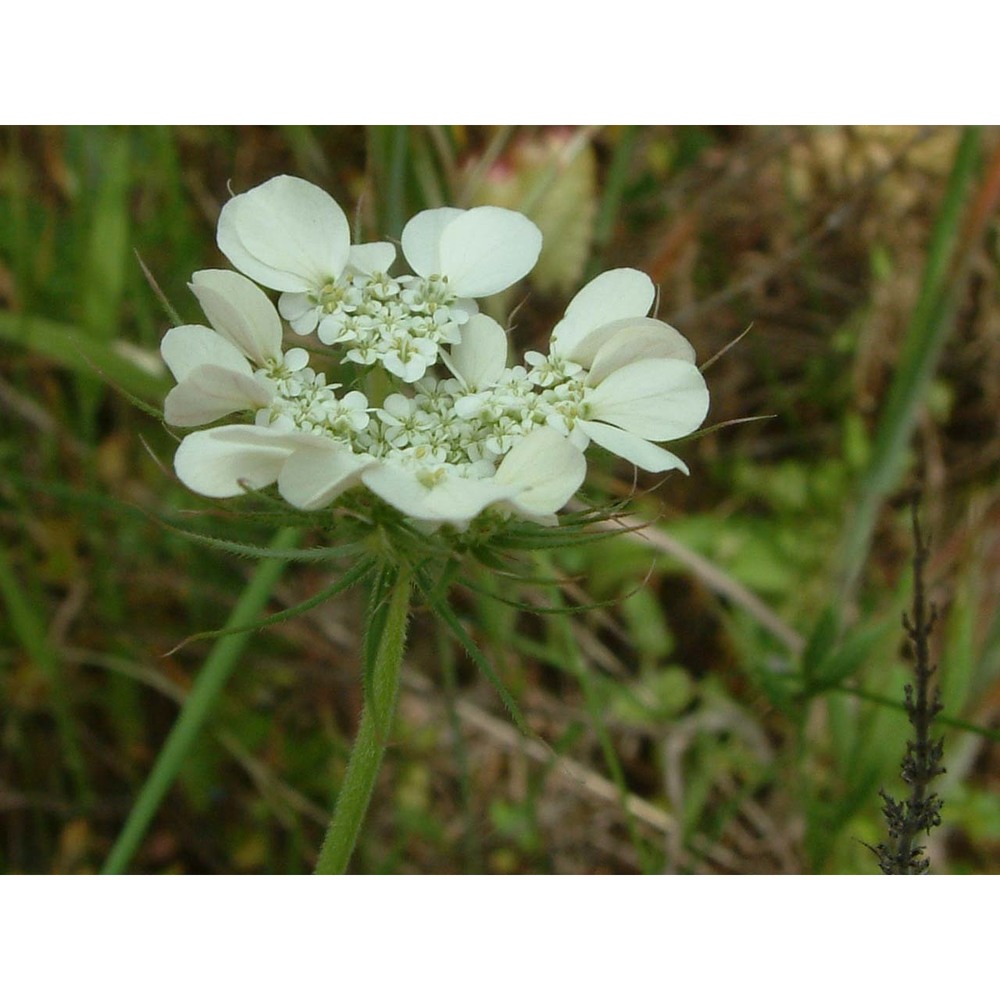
(432, 421)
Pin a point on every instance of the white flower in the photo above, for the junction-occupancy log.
(311, 470)
(660, 399)
(319, 470)
(286, 234)
(408, 357)
(213, 366)
(488, 436)
(637, 382)
(480, 359)
(290, 235)
(478, 362)
(547, 468)
(535, 479)
(478, 251)
(226, 461)
(432, 492)
(623, 293)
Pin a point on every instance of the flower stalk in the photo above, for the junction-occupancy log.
(921, 811)
(385, 645)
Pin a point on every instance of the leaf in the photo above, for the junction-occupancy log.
(441, 608)
(819, 644)
(350, 578)
(71, 348)
(849, 656)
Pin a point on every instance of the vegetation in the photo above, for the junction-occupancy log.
(729, 695)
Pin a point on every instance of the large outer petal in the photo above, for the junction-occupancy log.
(487, 249)
(659, 400)
(636, 450)
(546, 469)
(452, 499)
(241, 312)
(623, 293)
(619, 344)
(318, 471)
(422, 239)
(209, 392)
(185, 348)
(481, 356)
(286, 233)
(217, 462)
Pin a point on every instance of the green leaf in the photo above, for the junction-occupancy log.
(70, 347)
(849, 656)
(347, 581)
(819, 644)
(318, 554)
(441, 608)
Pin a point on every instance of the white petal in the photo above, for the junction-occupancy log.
(623, 293)
(469, 306)
(371, 258)
(659, 400)
(318, 472)
(287, 234)
(210, 392)
(217, 462)
(292, 305)
(422, 239)
(185, 348)
(451, 498)
(547, 469)
(300, 311)
(241, 312)
(481, 356)
(619, 344)
(296, 359)
(487, 249)
(636, 450)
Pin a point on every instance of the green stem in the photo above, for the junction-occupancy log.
(381, 695)
(217, 669)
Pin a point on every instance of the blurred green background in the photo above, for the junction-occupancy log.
(734, 702)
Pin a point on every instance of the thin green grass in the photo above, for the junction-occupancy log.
(212, 678)
(926, 335)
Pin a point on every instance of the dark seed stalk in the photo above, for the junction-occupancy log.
(921, 811)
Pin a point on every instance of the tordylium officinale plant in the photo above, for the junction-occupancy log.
(369, 390)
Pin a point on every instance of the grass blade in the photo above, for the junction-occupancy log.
(929, 328)
(69, 347)
(204, 695)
